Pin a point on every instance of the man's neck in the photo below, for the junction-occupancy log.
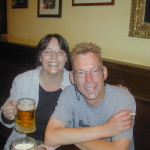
(96, 102)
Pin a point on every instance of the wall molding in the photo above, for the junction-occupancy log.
(135, 77)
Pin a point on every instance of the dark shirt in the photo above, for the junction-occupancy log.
(44, 110)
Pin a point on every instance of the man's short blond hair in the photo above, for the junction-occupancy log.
(84, 48)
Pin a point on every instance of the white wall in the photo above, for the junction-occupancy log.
(107, 26)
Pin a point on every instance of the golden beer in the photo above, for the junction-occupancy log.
(25, 118)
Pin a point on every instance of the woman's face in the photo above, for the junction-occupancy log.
(53, 58)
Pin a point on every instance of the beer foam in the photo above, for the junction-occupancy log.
(25, 108)
(23, 146)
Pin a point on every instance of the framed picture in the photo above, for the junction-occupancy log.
(49, 8)
(19, 3)
(92, 2)
(140, 19)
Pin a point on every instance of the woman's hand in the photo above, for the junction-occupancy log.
(121, 86)
(10, 110)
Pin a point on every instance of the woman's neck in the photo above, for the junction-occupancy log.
(50, 82)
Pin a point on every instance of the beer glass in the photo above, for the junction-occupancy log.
(24, 143)
(25, 117)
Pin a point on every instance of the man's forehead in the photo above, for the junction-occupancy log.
(82, 62)
(86, 57)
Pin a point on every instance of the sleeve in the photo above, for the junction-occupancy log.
(15, 93)
(6, 120)
(125, 101)
(64, 109)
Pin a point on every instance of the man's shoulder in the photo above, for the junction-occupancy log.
(115, 89)
(68, 93)
(119, 93)
(69, 88)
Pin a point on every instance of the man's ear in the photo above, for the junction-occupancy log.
(105, 72)
(71, 77)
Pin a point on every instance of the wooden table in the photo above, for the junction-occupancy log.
(68, 147)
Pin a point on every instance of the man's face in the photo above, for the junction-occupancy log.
(89, 75)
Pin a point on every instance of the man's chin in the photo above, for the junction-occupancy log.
(90, 97)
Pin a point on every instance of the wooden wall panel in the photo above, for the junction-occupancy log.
(137, 79)
(142, 125)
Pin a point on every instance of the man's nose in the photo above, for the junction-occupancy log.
(88, 76)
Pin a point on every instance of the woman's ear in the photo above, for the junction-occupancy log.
(72, 77)
(40, 58)
(105, 72)
(66, 59)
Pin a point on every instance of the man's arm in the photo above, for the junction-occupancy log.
(119, 144)
(57, 134)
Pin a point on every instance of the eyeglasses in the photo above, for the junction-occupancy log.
(94, 72)
(49, 52)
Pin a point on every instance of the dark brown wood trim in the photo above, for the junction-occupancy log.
(135, 77)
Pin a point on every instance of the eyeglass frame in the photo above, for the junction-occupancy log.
(84, 72)
(49, 52)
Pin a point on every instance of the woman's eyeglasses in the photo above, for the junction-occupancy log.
(49, 52)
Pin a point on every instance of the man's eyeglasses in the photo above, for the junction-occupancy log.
(94, 72)
(49, 52)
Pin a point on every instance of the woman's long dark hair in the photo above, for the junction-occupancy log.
(44, 43)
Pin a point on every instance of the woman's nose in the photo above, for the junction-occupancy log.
(54, 55)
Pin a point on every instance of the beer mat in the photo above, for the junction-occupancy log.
(45, 147)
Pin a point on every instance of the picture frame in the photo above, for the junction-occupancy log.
(49, 8)
(92, 2)
(19, 3)
(139, 22)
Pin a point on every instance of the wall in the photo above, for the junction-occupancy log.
(3, 17)
(107, 26)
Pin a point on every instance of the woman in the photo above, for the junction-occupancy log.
(44, 84)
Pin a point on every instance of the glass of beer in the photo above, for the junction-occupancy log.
(25, 117)
(24, 143)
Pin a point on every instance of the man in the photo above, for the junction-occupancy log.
(91, 114)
